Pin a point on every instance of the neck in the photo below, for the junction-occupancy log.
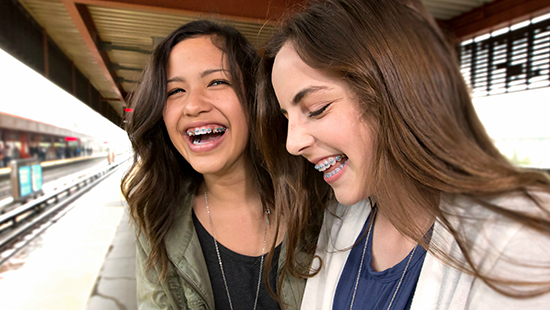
(233, 190)
(236, 213)
(389, 245)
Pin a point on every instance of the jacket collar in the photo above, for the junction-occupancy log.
(185, 252)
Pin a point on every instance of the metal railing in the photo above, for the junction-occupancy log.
(41, 213)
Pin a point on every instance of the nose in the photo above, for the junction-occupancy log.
(298, 139)
(197, 103)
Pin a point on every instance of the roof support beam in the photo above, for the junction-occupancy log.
(84, 23)
(243, 10)
(495, 15)
(46, 57)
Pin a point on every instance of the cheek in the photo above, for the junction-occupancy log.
(170, 117)
(168, 123)
(243, 134)
(368, 150)
(239, 121)
(361, 140)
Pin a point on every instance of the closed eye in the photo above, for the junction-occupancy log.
(320, 111)
(175, 91)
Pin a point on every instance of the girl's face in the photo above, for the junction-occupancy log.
(203, 116)
(325, 125)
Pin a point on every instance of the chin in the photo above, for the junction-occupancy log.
(348, 198)
(205, 168)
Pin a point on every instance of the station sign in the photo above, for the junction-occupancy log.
(26, 179)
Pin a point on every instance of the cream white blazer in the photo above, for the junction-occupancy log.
(499, 242)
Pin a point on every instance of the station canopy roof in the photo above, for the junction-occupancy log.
(109, 41)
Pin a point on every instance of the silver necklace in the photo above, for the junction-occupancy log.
(361, 266)
(220, 258)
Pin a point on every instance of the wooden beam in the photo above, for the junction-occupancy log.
(90, 25)
(89, 103)
(239, 10)
(83, 22)
(495, 15)
(46, 57)
(73, 78)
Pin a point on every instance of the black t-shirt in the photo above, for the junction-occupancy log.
(241, 274)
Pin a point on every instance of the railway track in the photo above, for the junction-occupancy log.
(20, 226)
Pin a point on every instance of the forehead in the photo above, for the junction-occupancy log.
(291, 75)
(195, 54)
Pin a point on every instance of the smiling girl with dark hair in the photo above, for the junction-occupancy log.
(197, 193)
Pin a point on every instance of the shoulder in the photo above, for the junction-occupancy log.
(503, 244)
(506, 208)
(520, 203)
(516, 252)
(178, 233)
(501, 247)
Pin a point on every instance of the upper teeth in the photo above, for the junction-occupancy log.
(205, 130)
(331, 161)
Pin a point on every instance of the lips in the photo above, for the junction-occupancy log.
(204, 137)
(331, 166)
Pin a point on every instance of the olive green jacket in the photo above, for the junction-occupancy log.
(187, 284)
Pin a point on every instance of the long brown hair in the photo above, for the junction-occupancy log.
(430, 144)
(160, 178)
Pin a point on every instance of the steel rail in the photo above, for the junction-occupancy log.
(15, 224)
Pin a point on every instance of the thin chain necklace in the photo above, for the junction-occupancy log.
(361, 266)
(220, 258)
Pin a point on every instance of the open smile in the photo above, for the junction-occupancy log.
(205, 138)
(331, 167)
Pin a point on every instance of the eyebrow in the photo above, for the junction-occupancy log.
(175, 79)
(306, 91)
(303, 93)
(210, 71)
(203, 74)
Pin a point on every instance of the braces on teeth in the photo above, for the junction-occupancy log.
(335, 171)
(331, 161)
(204, 131)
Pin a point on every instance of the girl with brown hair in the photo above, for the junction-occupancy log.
(196, 191)
(430, 214)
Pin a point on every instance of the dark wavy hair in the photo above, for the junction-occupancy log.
(160, 178)
(429, 142)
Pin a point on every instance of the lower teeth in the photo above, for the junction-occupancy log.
(335, 171)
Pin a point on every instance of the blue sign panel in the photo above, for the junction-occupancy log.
(25, 181)
(36, 177)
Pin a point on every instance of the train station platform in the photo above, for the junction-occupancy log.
(84, 261)
(55, 174)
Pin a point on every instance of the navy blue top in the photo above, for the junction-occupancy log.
(375, 289)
